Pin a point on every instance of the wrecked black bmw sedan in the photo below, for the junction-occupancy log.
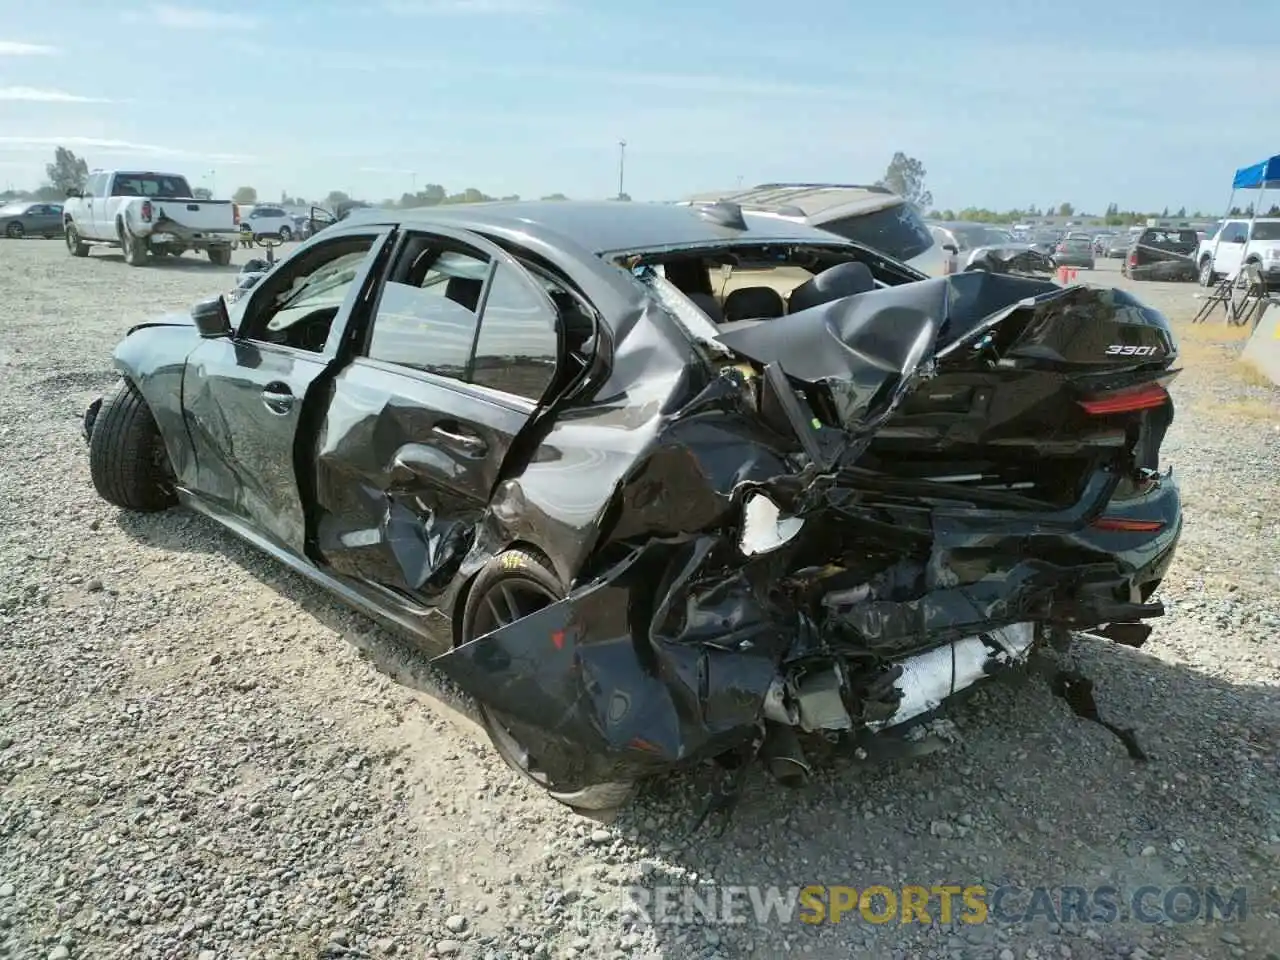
(660, 484)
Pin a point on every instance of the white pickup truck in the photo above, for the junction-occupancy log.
(1222, 253)
(148, 214)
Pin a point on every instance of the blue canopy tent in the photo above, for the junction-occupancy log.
(1259, 176)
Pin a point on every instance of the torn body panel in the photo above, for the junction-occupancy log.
(844, 619)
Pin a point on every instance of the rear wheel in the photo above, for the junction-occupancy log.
(512, 585)
(74, 246)
(14, 231)
(127, 459)
(285, 234)
(1206, 272)
(136, 249)
(221, 256)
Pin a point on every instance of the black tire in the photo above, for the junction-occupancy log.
(136, 249)
(127, 459)
(285, 234)
(15, 231)
(72, 237)
(524, 578)
(220, 256)
(1206, 277)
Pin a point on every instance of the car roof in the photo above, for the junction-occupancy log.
(603, 226)
(817, 202)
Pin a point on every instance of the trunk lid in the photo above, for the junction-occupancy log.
(978, 381)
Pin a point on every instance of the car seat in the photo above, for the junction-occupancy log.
(753, 303)
(834, 283)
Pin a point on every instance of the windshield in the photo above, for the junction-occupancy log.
(1075, 243)
(327, 285)
(1266, 230)
(160, 185)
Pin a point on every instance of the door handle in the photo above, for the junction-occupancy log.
(458, 435)
(278, 398)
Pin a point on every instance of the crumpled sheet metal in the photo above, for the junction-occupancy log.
(615, 681)
(597, 687)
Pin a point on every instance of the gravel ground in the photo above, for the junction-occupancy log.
(202, 756)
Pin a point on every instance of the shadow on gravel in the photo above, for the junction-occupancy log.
(190, 261)
(1027, 795)
(391, 653)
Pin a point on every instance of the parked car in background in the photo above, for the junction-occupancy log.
(1162, 253)
(1234, 245)
(265, 220)
(1075, 251)
(1117, 247)
(146, 213)
(25, 218)
(867, 214)
(978, 243)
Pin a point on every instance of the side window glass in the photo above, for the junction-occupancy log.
(296, 305)
(426, 318)
(518, 345)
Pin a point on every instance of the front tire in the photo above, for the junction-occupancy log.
(512, 585)
(74, 246)
(127, 458)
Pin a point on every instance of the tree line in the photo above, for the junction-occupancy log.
(904, 176)
(432, 195)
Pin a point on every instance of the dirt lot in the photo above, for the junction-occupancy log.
(202, 756)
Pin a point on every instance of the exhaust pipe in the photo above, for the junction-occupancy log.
(782, 754)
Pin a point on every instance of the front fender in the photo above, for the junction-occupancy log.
(153, 358)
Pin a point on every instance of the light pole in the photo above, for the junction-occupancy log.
(622, 166)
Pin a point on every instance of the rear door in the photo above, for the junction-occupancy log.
(250, 399)
(461, 348)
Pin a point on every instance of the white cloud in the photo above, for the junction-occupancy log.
(12, 48)
(413, 8)
(38, 95)
(118, 147)
(191, 18)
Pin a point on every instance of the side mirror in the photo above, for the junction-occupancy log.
(74, 192)
(211, 317)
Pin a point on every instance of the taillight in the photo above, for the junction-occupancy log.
(146, 211)
(1133, 259)
(235, 214)
(1062, 248)
(1125, 525)
(1145, 397)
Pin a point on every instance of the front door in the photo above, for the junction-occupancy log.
(247, 396)
(461, 348)
(1230, 252)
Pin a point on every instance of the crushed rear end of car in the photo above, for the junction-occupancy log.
(874, 504)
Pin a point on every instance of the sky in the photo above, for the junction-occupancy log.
(1007, 103)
